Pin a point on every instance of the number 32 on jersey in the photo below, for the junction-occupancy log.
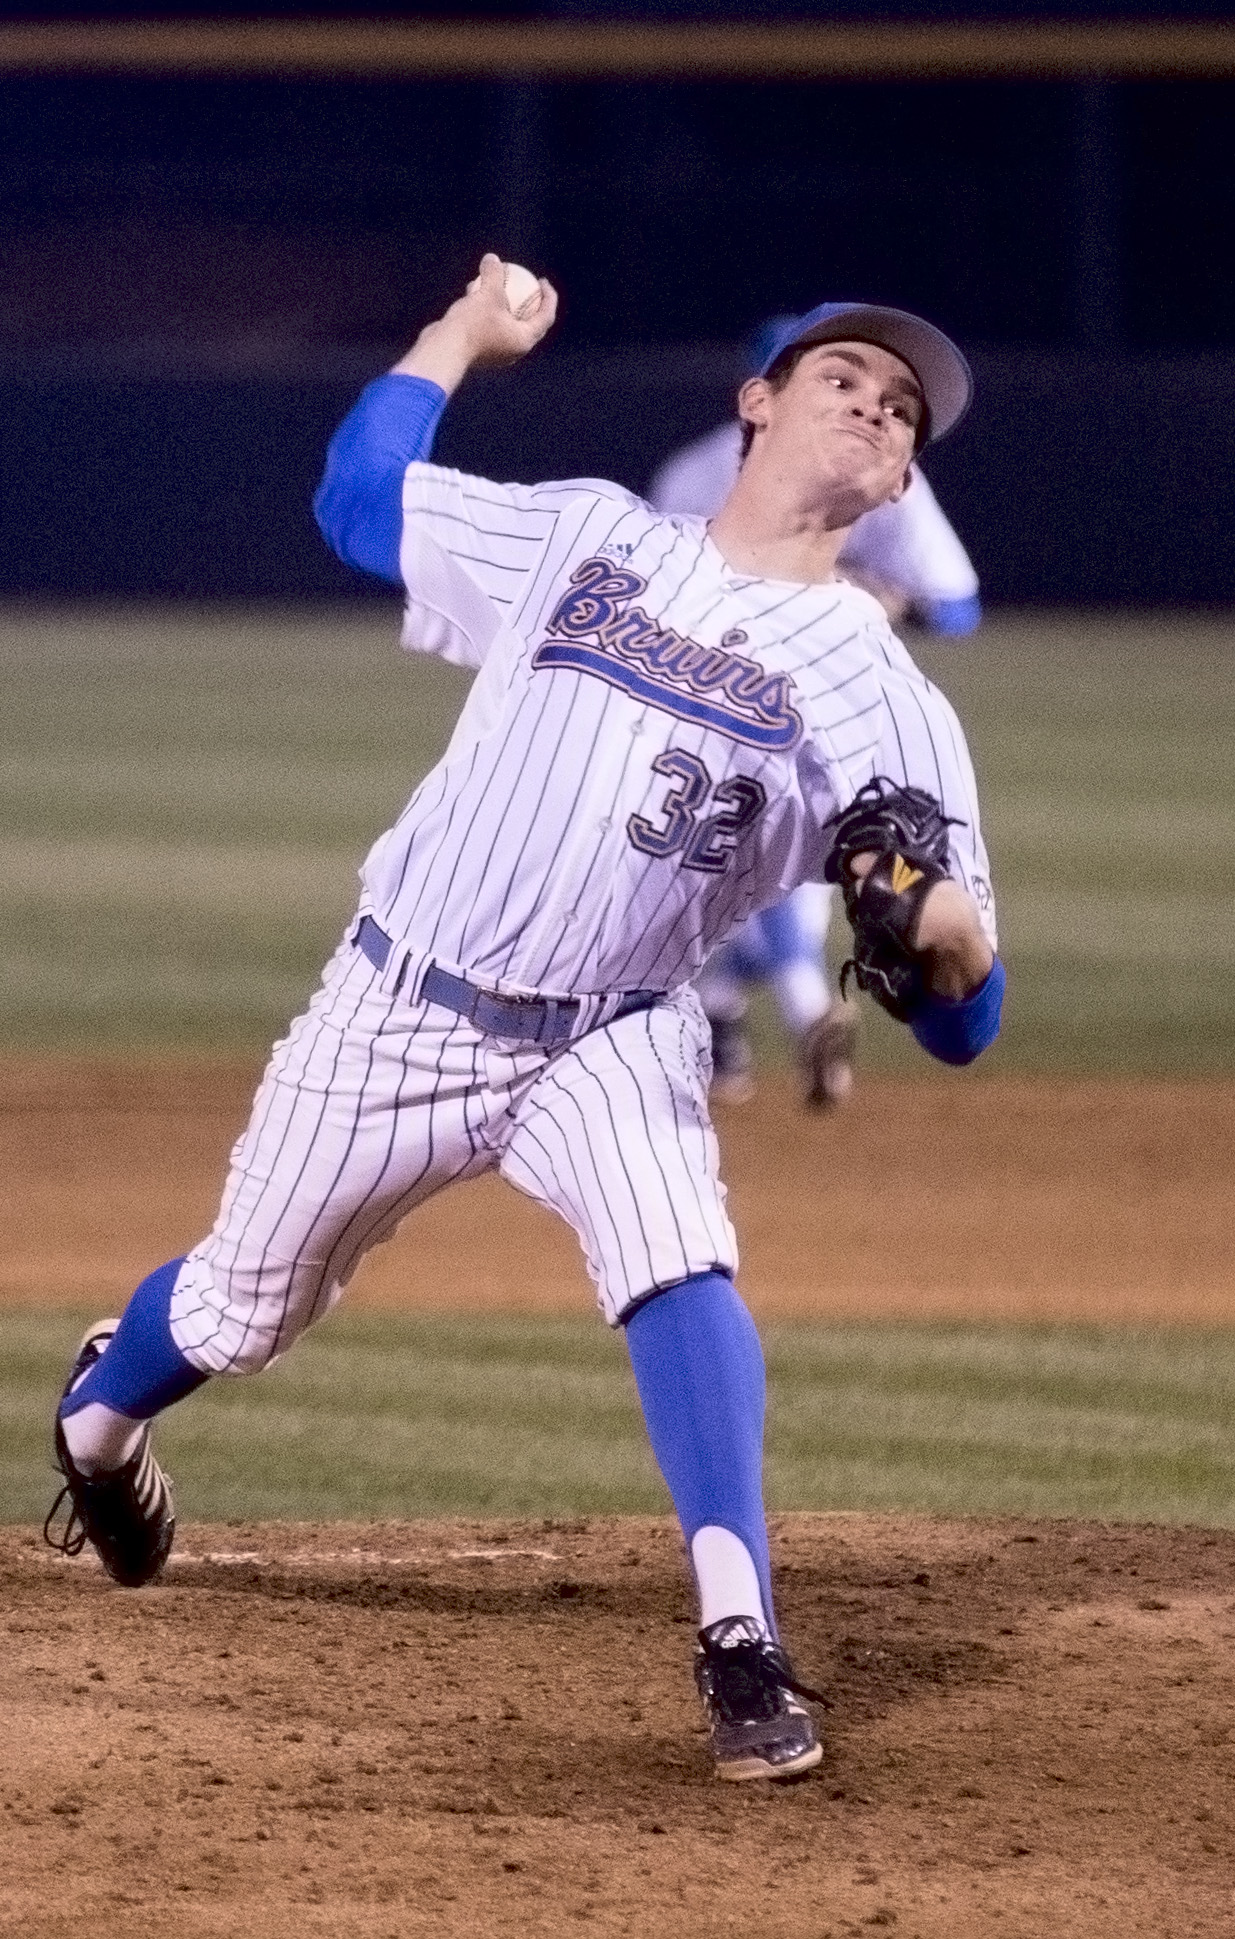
(706, 843)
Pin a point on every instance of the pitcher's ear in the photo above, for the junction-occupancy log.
(753, 401)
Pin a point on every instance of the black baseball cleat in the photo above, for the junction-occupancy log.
(749, 1696)
(127, 1514)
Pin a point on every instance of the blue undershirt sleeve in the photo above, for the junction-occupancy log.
(956, 1033)
(953, 617)
(359, 503)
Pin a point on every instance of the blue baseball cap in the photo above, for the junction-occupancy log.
(756, 346)
(945, 377)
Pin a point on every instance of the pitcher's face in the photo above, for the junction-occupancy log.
(844, 424)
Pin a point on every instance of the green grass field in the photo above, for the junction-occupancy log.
(380, 1417)
(186, 796)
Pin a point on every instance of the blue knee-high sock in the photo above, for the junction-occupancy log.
(143, 1370)
(699, 1370)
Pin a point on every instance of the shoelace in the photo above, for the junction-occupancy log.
(759, 1669)
(73, 1540)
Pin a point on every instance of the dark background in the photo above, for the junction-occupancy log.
(196, 276)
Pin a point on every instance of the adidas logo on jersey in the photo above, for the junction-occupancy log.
(595, 629)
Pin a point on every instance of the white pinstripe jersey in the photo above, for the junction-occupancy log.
(652, 746)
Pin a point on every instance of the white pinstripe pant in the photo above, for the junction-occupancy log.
(370, 1105)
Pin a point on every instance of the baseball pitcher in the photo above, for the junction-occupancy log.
(672, 724)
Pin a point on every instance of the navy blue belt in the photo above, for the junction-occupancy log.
(535, 1019)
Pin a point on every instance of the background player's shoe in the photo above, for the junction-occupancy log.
(128, 1514)
(733, 1062)
(749, 1696)
(826, 1054)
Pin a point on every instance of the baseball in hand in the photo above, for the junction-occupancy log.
(522, 289)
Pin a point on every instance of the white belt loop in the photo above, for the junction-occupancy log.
(416, 968)
(593, 1011)
(395, 976)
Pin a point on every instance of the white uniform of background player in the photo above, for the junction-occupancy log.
(908, 554)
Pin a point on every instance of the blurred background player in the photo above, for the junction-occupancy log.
(910, 558)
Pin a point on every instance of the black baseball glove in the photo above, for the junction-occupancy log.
(907, 830)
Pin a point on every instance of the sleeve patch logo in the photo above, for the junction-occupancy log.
(595, 629)
(904, 875)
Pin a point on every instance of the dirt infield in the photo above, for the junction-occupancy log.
(371, 1731)
(481, 1729)
(1002, 1199)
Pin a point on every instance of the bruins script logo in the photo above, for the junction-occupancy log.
(595, 629)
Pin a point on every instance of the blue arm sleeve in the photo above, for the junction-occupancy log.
(952, 616)
(359, 503)
(957, 1032)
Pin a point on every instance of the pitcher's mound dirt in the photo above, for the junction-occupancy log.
(474, 1729)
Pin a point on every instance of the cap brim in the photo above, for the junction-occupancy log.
(945, 377)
